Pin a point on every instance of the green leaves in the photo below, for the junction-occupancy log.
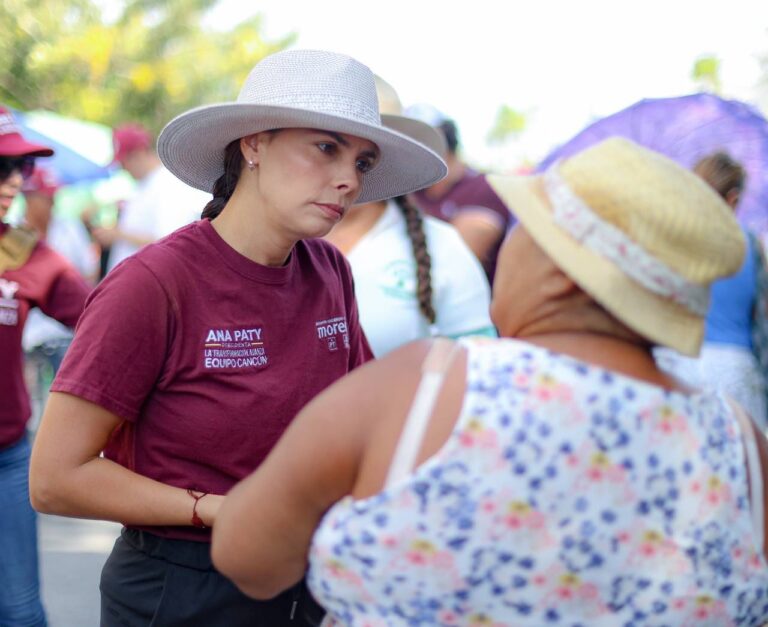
(706, 72)
(509, 123)
(148, 62)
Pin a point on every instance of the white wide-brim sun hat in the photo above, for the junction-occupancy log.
(300, 89)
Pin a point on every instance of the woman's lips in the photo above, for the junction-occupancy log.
(332, 210)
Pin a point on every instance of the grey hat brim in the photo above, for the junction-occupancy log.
(192, 146)
(415, 129)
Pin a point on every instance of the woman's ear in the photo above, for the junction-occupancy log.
(249, 146)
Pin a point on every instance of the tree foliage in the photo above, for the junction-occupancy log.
(509, 124)
(151, 61)
(706, 72)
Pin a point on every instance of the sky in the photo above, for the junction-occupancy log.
(561, 62)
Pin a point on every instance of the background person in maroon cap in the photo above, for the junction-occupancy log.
(161, 202)
(31, 275)
(464, 197)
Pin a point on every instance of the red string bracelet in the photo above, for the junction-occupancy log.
(196, 520)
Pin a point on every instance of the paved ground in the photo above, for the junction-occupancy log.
(72, 553)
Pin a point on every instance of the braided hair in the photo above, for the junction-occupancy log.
(225, 184)
(415, 226)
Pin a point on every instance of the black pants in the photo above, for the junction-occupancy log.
(149, 581)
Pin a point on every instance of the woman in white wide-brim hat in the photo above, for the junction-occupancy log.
(554, 475)
(195, 354)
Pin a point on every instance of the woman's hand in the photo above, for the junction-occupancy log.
(207, 508)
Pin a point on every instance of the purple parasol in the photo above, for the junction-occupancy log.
(686, 129)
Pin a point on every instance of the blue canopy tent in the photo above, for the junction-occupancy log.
(83, 150)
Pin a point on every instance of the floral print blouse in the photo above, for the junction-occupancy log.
(567, 494)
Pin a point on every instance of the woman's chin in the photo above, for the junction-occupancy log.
(318, 229)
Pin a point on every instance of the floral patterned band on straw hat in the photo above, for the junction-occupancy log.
(639, 233)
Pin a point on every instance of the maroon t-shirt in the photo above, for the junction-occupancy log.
(208, 356)
(470, 193)
(48, 281)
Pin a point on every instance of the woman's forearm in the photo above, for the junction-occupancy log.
(69, 477)
(104, 490)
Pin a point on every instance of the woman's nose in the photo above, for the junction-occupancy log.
(348, 178)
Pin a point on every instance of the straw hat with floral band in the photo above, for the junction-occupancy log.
(642, 235)
(300, 89)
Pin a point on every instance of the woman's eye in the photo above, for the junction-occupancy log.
(364, 165)
(327, 147)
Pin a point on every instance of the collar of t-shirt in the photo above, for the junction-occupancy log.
(244, 266)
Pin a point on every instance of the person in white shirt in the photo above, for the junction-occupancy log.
(394, 307)
(415, 277)
(161, 202)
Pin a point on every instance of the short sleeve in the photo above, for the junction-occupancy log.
(461, 293)
(121, 342)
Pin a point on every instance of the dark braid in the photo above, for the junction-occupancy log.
(225, 184)
(415, 224)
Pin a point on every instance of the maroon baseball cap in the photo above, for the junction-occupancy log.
(12, 144)
(42, 181)
(129, 137)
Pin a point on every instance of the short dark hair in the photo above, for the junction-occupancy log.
(448, 128)
(722, 172)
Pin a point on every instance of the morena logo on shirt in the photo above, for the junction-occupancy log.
(9, 306)
(329, 330)
(238, 349)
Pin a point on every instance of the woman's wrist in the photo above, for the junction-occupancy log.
(207, 508)
(195, 519)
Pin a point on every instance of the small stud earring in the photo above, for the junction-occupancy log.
(251, 165)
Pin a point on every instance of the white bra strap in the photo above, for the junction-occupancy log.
(433, 372)
(755, 473)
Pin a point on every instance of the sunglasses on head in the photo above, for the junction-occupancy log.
(25, 165)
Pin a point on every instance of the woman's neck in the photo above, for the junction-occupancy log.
(358, 221)
(253, 238)
(39, 225)
(577, 326)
